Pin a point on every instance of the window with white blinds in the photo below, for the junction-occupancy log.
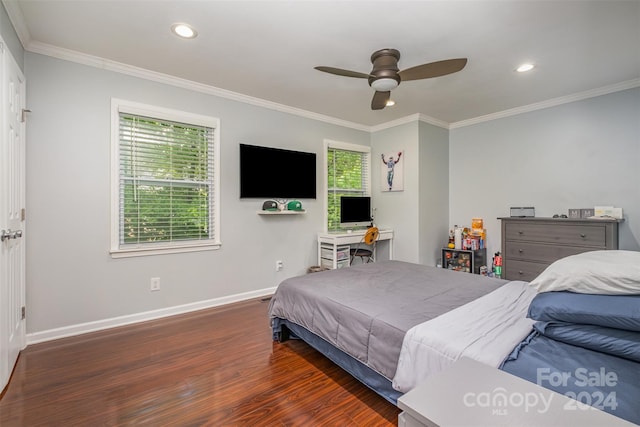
(166, 176)
(348, 174)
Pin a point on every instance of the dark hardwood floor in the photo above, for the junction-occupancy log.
(215, 367)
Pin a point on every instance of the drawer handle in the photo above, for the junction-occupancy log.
(520, 251)
(520, 272)
(583, 235)
(520, 232)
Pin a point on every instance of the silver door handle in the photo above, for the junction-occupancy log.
(8, 234)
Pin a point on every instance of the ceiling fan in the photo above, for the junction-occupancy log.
(386, 76)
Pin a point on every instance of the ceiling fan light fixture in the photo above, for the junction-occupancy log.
(385, 75)
(384, 84)
(525, 67)
(184, 30)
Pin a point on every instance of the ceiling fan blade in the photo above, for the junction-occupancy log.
(341, 72)
(379, 100)
(433, 69)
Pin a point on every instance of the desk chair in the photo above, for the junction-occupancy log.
(365, 253)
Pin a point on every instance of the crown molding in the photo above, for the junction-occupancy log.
(98, 62)
(629, 84)
(15, 15)
(434, 121)
(418, 117)
(119, 67)
(398, 122)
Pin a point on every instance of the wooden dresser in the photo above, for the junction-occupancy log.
(529, 245)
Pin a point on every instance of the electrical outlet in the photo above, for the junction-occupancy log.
(155, 284)
(279, 265)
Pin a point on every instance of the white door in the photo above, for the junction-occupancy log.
(12, 202)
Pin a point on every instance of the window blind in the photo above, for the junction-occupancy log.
(347, 175)
(165, 181)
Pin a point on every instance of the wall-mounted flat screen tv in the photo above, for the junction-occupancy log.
(275, 173)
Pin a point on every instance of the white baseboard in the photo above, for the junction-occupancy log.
(98, 325)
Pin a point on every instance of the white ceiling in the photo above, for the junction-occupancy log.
(267, 49)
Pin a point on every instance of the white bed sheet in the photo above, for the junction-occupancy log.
(486, 329)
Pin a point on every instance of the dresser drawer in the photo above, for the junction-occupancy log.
(590, 235)
(522, 270)
(545, 253)
(530, 245)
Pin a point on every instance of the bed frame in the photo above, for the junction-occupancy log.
(284, 330)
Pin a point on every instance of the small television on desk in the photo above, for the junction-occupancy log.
(355, 211)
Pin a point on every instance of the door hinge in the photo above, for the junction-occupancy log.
(24, 115)
(24, 312)
(23, 214)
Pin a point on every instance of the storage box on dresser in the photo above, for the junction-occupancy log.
(529, 245)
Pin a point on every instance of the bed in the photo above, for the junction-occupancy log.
(359, 316)
(392, 324)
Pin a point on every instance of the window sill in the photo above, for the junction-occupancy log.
(163, 250)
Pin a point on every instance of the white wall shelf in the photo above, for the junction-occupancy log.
(282, 212)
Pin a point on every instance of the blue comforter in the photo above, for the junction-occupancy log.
(596, 362)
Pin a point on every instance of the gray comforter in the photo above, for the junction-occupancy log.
(366, 310)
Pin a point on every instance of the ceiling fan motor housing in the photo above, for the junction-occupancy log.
(385, 66)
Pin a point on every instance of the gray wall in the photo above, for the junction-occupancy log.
(434, 192)
(71, 278)
(10, 37)
(398, 209)
(575, 155)
(419, 214)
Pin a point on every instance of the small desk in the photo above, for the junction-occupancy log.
(334, 248)
(462, 395)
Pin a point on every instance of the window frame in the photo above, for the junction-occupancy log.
(338, 145)
(213, 242)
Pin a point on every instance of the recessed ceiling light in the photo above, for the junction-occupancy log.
(184, 30)
(390, 103)
(524, 67)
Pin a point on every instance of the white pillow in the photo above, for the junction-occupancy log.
(597, 272)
